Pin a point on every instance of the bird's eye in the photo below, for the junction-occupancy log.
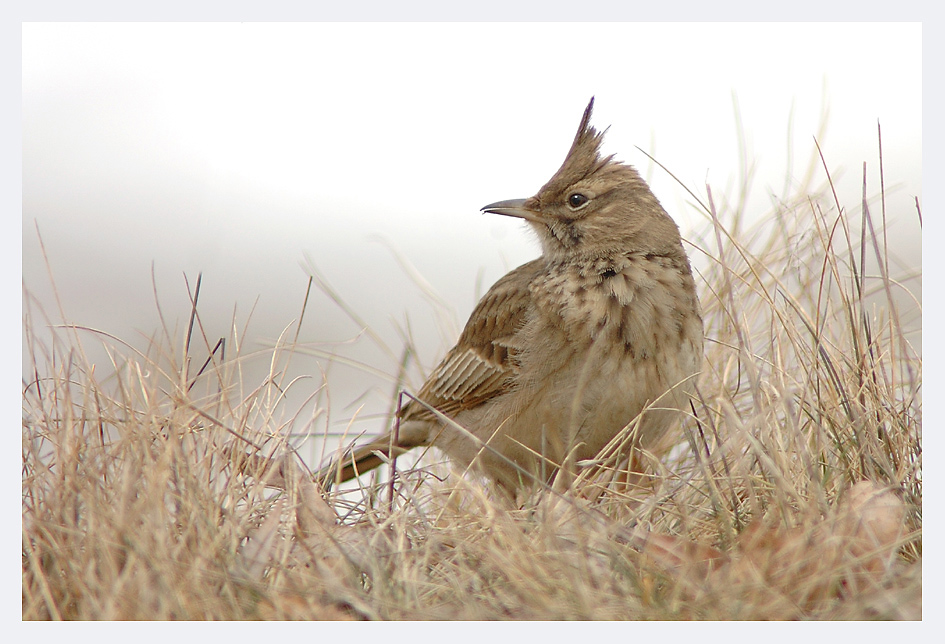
(577, 200)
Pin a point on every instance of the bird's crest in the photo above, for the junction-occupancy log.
(584, 156)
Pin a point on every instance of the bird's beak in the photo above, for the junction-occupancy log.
(513, 208)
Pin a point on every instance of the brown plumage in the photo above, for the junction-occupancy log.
(565, 351)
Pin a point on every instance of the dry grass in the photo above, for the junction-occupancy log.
(164, 490)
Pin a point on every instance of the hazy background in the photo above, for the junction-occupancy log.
(237, 150)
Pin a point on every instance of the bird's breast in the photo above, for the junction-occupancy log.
(641, 304)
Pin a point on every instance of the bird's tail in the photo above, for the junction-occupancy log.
(363, 459)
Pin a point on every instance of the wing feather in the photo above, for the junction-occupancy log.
(483, 363)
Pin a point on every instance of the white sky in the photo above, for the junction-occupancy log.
(237, 149)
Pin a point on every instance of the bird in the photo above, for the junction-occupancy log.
(566, 351)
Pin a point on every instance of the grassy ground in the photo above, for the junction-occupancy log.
(169, 489)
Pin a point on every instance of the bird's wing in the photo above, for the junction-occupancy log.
(482, 365)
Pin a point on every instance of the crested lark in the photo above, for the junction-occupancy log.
(565, 351)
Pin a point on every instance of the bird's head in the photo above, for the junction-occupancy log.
(594, 206)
